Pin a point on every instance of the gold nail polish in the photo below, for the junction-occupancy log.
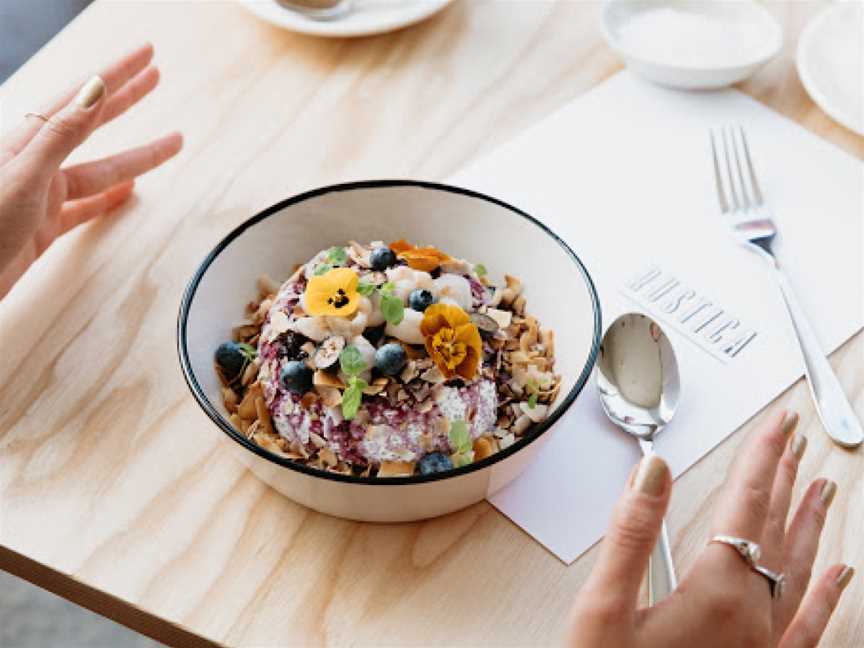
(650, 477)
(790, 422)
(845, 576)
(90, 92)
(798, 445)
(829, 489)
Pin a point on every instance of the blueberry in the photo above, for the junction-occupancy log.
(434, 462)
(231, 359)
(420, 299)
(382, 258)
(390, 359)
(288, 346)
(374, 334)
(296, 377)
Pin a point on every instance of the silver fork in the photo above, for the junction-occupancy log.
(751, 222)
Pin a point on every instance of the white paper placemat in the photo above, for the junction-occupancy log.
(623, 174)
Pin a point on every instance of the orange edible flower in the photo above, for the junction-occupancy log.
(452, 340)
(333, 293)
(420, 258)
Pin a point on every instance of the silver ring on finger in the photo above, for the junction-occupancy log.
(750, 552)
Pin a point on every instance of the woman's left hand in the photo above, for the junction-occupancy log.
(39, 200)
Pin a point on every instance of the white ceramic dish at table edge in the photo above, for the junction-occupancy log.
(466, 224)
(683, 75)
(814, 72)
(367, 18)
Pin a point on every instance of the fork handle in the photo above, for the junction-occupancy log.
(837, 416)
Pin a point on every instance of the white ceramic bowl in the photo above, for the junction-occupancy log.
(691, 44)
(465, 224)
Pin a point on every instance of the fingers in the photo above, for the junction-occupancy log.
(92, 177)
(746, 504)
(130, 93)
(802, 538)
(114, 76)
(812, 617)
(76, 212)
(781, 497)
(67, 129)
(636, 521)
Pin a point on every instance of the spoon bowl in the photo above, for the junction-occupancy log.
(637, 376)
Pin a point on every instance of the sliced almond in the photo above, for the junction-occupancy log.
(330, 396)
(433, 375)
(250, 373)
(502, 317)
(377, 386)
(317, 440)
(519, 304)
(396, 468)
(328, 456)
(409, 372)
(246, 409)
(236, 421)
(230, 398)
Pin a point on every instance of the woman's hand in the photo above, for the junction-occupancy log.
(39, 200)
(721, 602)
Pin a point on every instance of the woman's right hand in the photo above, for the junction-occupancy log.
(721, 602)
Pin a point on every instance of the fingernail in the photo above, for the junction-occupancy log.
(798, 445)
(91, 92)
(829, 488)
(790, 422)
(650, 477)
(845, 576)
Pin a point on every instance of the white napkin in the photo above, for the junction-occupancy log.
(623, 174)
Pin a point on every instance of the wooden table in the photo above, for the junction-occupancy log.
(117, 493)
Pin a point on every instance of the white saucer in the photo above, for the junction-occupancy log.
(831, 63)
(368, 17)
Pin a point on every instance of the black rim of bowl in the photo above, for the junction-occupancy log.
(250, 445)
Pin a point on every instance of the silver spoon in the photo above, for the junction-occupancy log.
(637, 377)
(319, 9)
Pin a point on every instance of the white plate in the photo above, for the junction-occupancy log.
(368, 17)
(691, 44)
(831, 63)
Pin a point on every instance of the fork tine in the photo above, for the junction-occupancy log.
(721, 196)
(733, 193)
(754, 184)
(742, 183)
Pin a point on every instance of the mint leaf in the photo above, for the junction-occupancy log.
(462, 458)
(351, 360)
(337, 256)
(392, 308)
(352, 397)
(322, 269)
(249, 352)
(480, 269)
(460, 438)
(366, 289)
(388, 288)
(532, 401)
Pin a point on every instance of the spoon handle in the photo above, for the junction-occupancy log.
(661, 570)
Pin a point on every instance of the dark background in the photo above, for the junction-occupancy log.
(29, 616)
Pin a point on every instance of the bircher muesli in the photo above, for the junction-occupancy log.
(387, 360)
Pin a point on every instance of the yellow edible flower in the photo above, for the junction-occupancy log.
(452, 340)
(333, 293)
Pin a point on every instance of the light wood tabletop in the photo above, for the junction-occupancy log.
(116, 491)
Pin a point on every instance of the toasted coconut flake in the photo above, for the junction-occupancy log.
(548, 338)
(308, 348)
(325, 379)
(507, 440)
(456, 266)
(246, 409)
(236, 421)
(266, 286)
(433, 375)
(502, 317)
(414, 351)
(426, 406)
(253, 429)
(521, 424)
(330, 396)
(485, 323)
(230, 398)
(504, 422)
(396, 468)
(538, 413)
(377, 386)
(250, 373)
(263, 415)
(308, 399)
(482, 448)
(328, 457)
(410, 372)
(528, 340)
(244, 332)
(442, 425)
(317, 440)
(519, 304)
(497, 294)
(279, 322)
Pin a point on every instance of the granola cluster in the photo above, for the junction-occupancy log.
(387, 360)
